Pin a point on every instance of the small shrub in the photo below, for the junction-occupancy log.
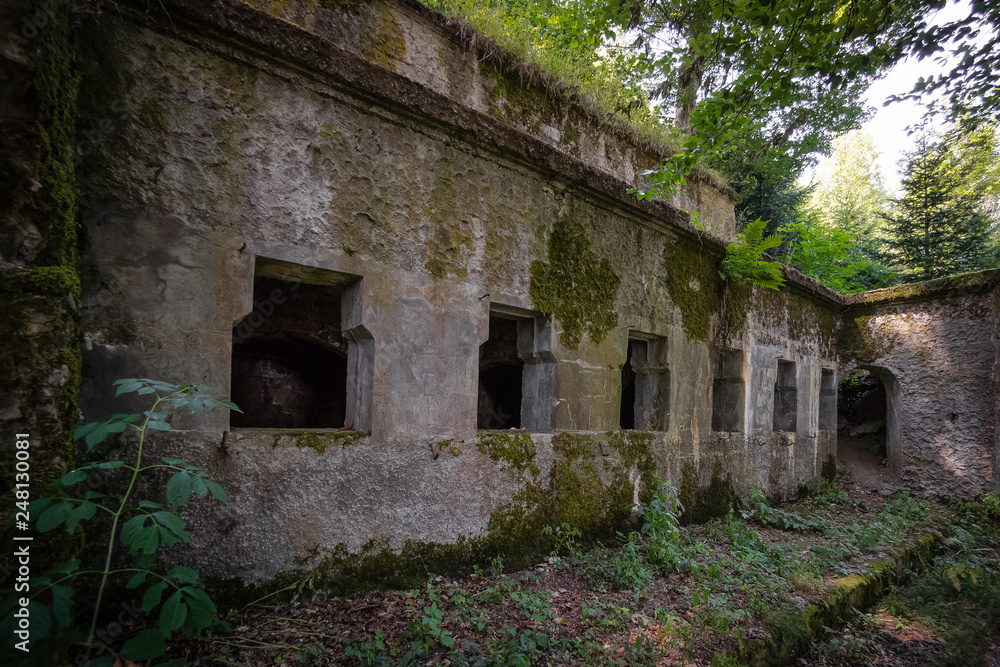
(760, 510)
(141, 526)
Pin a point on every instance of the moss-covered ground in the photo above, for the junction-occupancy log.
(749, 587)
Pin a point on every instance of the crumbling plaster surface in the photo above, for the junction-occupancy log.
(222, 161)
(934, 347)
(460, 64)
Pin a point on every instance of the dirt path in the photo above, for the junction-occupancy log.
(859, 461)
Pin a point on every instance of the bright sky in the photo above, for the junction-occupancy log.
(888, 126)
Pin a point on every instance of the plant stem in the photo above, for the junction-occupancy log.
(114, 529)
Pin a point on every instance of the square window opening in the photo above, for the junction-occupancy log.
(293, 363)
(517, 372)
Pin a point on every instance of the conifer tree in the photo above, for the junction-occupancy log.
(938, 227)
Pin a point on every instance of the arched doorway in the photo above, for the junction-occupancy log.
(868, 441)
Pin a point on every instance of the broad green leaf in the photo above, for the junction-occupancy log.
(54, 516)
(139, 537)
(201, 606)
(146, 390)
(41, 620)
(152, 596)
(146, 645)
(36, 507)
(172, 524)
(137, 580)
(173, 613)
(179, 489)
(155, 415)
(84, 430)
(184, 575)
(82, 512)
(97, 435)
(149, 504)
(117, 427)
(128, 387)
(110, 465)
(217, 490)
(158, 426)
(173, 462)
(72, 477)
(199, 486)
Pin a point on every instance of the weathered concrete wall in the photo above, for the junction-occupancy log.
(243, 145)
(39, 283)
(465, 67)
(933, 345)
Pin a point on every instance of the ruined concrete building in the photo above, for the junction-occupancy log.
(416, 266)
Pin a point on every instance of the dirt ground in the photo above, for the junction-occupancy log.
(859, 462)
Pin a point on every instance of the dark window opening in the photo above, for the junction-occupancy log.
(728, 392)
(289, 363)
(785, 414)
(289, 384)
(828, 400)
(501, 372)
(627, 419)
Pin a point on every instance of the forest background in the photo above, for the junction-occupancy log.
(765, 93)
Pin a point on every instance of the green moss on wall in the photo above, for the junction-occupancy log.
(575, 285)
(709, 502)
(856, 338)
(970, 283)
(386, 43)
(829, 469)
(514, 100)
(515, 451)
(692, 280)
(574, 492)
(320, 441)
(40, 357)
(635, 448)
(734, 303)
(451, 237)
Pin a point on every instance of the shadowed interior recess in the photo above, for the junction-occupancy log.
(289, 358)
(500, 377)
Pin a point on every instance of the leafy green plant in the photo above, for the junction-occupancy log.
(565, 538)
(744, 261)
(141, 526)
(761, 511)
(426, 632)
(625, 569)
(373, 652)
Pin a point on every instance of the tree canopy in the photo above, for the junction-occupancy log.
(939, 226)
